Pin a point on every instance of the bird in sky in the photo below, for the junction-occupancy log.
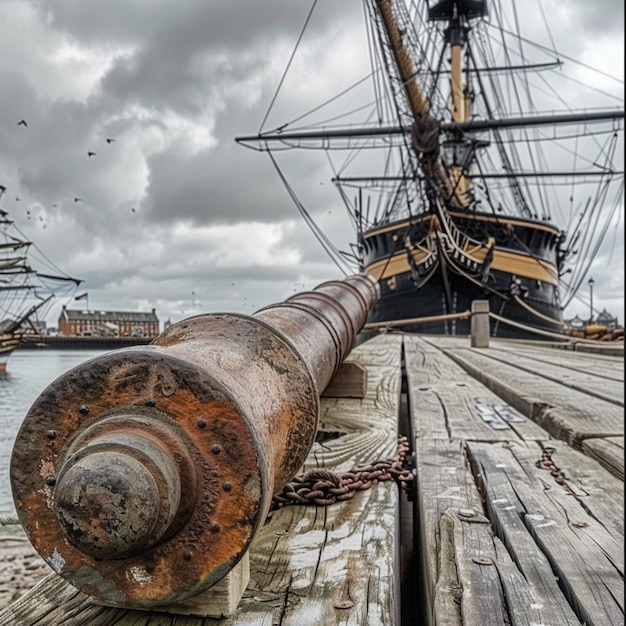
(3, 188)
(78, 199)
(90, 154)
(132, 210)
(22, 123)
(109, 140)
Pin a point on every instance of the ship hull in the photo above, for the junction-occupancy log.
(513, 267)
(8, 343)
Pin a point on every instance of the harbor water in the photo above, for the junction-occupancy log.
(28, 373)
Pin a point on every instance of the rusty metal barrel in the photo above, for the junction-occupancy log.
(142, 475)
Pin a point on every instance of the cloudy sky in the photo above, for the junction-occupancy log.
(173, 214)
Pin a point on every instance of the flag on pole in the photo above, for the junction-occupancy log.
(83, 296)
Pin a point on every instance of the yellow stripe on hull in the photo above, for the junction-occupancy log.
(516, 263)
(397, 264)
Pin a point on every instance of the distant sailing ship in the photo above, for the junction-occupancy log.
(481, 193)
(26, 293)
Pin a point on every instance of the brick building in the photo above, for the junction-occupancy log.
(108, 323)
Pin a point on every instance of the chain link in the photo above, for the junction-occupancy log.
(322, 487)
(547, 463)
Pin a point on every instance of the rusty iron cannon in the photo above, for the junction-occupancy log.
(142, 475)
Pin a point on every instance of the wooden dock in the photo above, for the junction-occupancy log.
(516, 514)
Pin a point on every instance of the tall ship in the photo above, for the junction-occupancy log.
(468, 169)
(29, 285)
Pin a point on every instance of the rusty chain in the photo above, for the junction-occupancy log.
(547, 463)
(322, 487)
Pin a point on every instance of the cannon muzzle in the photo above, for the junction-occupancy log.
(142, 475)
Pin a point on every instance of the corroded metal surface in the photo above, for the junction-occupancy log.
(142, 476)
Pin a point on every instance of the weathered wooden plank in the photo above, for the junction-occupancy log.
(333, 565)
(565, 413)
(453, 532)
(448, 403)
(600, 494)
(593, 378)
(602, 365)
(442, 482)
(562, 522)
(468, 590)
(609, 452)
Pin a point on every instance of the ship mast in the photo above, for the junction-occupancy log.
(451, 183)
(460, 103)
(425, 131)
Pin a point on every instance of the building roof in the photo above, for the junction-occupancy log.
(114, 317)
(605, 316)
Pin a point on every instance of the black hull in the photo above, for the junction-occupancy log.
(407, 302)
(519, 278)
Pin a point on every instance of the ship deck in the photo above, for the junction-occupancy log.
(515, 517)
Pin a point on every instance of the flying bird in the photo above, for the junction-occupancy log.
(78, 199)
(22, 123)
(132, 210)
(90, 154)
(3, 188)
(109, 140)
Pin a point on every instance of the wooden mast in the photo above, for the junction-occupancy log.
(426, 127)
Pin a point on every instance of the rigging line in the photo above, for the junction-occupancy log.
(536, 313)
(516, 190)
(601, 192)
(51, 264)
(353, 155)
(345, 199)
(526, 132)
(547, 23)
(375, 64)
(600, 238)
(533, 329)
(575, 161)
(543, 138)
(585, 260)
(331, 250)
(560, 54)
(323, 124)
(293, 54)
(457, 270)
(619, 219)
(336, 97)
(513, 91)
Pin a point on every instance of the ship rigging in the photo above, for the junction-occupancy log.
(485, 188)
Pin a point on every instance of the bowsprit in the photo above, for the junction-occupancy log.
(142, 475)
